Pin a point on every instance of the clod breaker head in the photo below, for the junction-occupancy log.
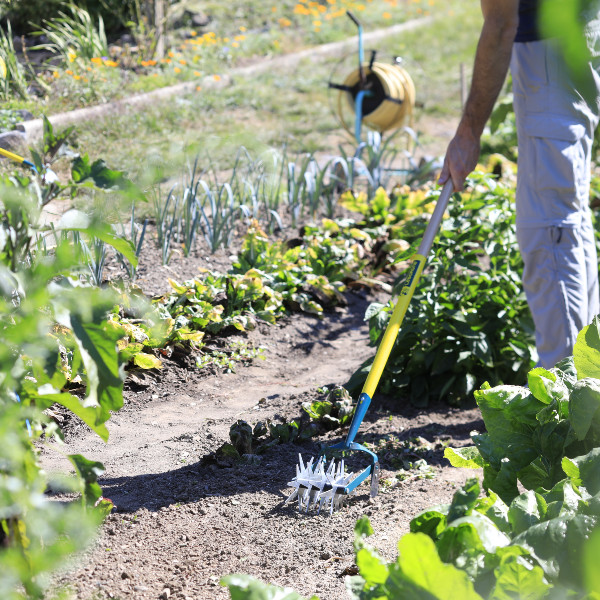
(316, 487)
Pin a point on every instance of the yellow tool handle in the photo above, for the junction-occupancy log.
(12, 155)
(17, 158)
(406, 294)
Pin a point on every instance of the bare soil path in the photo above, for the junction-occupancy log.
(183, 522)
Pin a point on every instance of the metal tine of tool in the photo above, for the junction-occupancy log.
(316, 487)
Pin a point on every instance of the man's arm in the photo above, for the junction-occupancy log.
(492, 59)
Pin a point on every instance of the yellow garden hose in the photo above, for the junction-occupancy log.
(389, 104)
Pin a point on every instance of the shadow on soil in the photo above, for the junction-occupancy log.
(194, 482)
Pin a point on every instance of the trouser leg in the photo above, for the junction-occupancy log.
(554, 230)
(591, 265)
(561, 291)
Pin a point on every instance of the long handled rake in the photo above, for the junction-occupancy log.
(317, 485)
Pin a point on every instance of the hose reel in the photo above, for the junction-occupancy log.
(376, 94)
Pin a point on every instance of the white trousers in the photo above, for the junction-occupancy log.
(555, 126)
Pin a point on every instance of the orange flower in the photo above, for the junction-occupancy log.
(197, 74)
(217, 77)
(177, 70)
(386, 15)
(182, 62)
(68, 72)
(97, 60)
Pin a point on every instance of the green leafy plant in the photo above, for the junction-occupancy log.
(57, 347)
(36, 536)
(531, 430)
(334, 411)
(468, 321)
(46, 316)
(243, 298)
(229, 357)
(309, 276)
(538, 542)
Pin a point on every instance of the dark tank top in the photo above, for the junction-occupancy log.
(527, 30)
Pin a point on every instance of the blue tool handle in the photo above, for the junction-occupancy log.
(29, 164)
(359, 414)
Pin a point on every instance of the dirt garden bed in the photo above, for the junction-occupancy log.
(182, 520)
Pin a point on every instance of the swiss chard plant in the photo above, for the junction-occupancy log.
(477, 547)
(309, 275)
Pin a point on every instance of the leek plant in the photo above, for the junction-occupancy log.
(190, 218)
(219, 215)
(94, 255)
(296, 186)
(320, 188)
(137, 233)
(171, 228)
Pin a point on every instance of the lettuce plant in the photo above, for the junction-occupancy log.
(530, 430)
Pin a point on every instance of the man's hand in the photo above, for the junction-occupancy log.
(461, 158)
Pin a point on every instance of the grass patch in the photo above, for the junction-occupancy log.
(287, 106)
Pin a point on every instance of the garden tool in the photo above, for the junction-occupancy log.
(316, 485)
(48, 176)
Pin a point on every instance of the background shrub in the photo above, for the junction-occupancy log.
(26, 16)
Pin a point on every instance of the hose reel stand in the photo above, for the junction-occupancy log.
(379, 95)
